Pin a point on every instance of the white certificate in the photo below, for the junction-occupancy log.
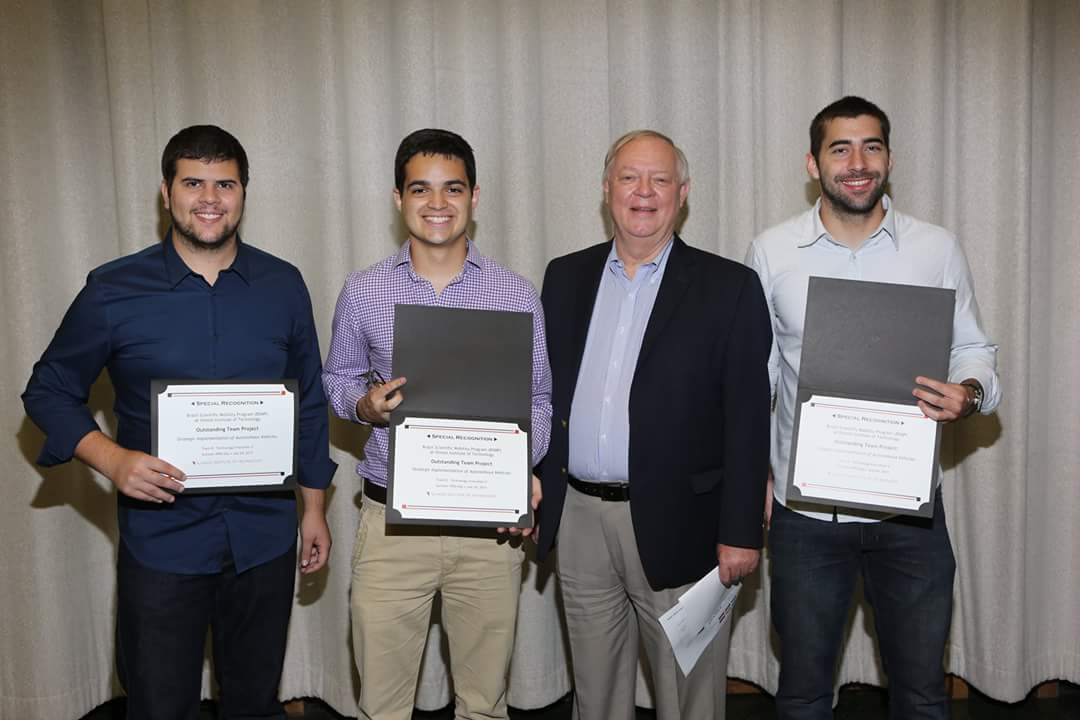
(227, 437)
(865, 453)
(697, 617)
(459, 472)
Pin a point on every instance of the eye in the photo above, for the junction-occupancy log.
(225, 184)
(191, 183)
(417, 190)
(454, 190)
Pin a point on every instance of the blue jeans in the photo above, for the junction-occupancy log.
(907, 566)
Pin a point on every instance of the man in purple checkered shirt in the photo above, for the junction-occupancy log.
(397, 571)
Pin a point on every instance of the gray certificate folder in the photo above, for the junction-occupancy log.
(463, 364)
(868, 341)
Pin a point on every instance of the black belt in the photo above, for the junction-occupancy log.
(375, 492)
(614, 492)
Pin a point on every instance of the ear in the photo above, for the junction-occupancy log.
(811, 166)
(684, 190)
(397, 199)
(475, 196)
(165, 194)
(606, 187)
(891, 159)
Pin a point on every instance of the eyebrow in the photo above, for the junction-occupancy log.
(426, 183)
(864, 141)
(190, 178)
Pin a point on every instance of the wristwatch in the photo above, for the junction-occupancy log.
(976, 401)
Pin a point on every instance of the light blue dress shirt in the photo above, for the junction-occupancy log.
(600, 411)
(901, 250)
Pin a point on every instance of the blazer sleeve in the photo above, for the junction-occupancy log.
(746, 419)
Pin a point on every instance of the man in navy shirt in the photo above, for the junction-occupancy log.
(200, 304)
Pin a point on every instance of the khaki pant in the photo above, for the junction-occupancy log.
(610, 608)
(396, 572)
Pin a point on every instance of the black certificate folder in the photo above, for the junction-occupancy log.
(868, 341)
(469, 365)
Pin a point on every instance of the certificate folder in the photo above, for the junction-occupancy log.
(473, 366)
(868, 341)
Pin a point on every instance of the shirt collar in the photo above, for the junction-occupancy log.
(658, 263)
(176, 269)
(818, 231)
(472, 257)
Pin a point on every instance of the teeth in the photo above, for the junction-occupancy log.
(438, 218)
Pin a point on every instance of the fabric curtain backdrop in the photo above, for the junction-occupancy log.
(986, 115)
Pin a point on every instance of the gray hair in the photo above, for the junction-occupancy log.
(682, 166)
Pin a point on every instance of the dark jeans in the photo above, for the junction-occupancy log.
(907, 566)
(161, 624)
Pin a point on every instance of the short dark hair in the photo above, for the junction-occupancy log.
(208, 143)
(846, 107)
(433, 141)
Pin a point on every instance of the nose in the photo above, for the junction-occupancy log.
(437, 199)
(643, 187)
(858, 158)
(209, 192)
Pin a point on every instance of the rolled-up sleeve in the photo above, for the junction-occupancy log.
(973, 355)
(56, 395)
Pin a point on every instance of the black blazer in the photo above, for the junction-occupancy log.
(699, 407)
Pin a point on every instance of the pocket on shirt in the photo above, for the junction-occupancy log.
(704, 482)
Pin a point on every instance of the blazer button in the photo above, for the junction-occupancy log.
(564, 423)
(564, 471)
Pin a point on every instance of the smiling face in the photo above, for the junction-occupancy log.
(852, 166)
(643, 191)
(436, 202)
(206, 202)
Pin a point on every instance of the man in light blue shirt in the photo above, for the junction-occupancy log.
(816, 553)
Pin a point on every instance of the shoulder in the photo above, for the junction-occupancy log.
(139, 262)
(265, 265)
(786, 235)
(586, 257)
(710, 263)
(924, 236)
(517, 291)
(373, 278)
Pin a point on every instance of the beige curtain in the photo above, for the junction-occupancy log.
(986, 112)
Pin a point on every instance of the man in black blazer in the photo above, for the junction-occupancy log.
(660, 436)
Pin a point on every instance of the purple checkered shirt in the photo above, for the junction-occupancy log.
(363, 336)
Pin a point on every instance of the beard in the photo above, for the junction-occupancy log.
(187, 232)
(833, 191)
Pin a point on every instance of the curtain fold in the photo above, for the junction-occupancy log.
(983, 100)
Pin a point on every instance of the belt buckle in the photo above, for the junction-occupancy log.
(612, 493)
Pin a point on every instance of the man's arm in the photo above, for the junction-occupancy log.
(746, 435)
(316, 469)
(972, 360)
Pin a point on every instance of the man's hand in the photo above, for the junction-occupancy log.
(948, 402)
(537, 496)
(735, 563)
(379, 400)
(135, 474)
(314, 532)
(766, 521)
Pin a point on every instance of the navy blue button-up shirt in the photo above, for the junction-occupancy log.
(148, 316)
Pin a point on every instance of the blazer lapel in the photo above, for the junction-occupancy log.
(672, 289)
